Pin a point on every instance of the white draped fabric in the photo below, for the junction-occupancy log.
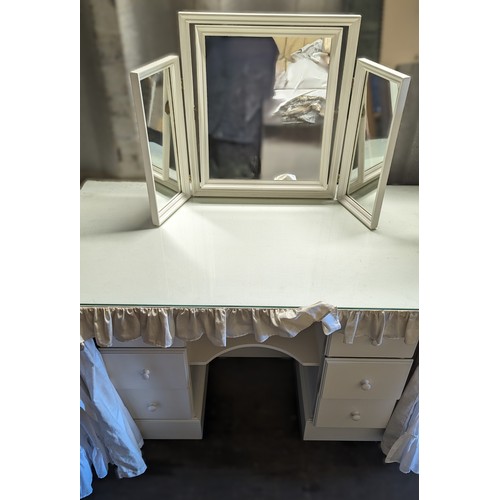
(159, 326)
(401, 437)
(108, 434)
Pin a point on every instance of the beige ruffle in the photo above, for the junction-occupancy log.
(159, 326)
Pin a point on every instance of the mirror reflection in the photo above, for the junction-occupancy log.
(156, 97)
(376, 115)
(266, 100)
(376, 108)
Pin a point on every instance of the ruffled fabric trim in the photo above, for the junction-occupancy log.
(379, 324)
(159, 326)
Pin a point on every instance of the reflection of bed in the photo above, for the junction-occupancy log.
(301, 85)
(293, 118)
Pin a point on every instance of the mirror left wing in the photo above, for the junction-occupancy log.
(377, 102)
(156, 92)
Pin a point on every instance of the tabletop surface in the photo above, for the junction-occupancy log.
(246, 253)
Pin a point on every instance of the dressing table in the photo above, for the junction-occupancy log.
(202, 260)
(241, 254)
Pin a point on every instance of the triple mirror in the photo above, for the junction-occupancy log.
(268, 108)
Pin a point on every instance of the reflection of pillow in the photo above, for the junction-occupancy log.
(308, 69)
(312, 51)
(306, 74)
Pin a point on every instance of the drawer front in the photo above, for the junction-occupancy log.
(147, 368)
(362, 347)
(154, 404)
(360, 413)
(364, 378)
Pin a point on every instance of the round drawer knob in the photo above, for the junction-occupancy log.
(355, 415)
(366, 385)
(145, 374)
(152, 406)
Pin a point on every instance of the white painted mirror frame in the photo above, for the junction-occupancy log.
(258, 23)
(172, 79)
(365, 67)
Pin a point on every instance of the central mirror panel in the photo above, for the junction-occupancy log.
(268, 110)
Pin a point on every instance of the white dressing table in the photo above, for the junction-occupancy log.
(253, 253)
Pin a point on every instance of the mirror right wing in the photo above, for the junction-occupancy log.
(159, 108)
(377, 103)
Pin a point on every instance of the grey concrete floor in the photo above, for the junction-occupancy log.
(252, 449)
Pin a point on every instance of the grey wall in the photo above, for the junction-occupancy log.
(404, 169)
(119, 35)
(96, 139)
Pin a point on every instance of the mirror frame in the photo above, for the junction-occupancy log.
(365, 67)
(192, 28)
(170, 66)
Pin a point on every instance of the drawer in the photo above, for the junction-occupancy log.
(362, 347)
(361, 413)
(356, 378)
(155, 404)
(147, 368)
